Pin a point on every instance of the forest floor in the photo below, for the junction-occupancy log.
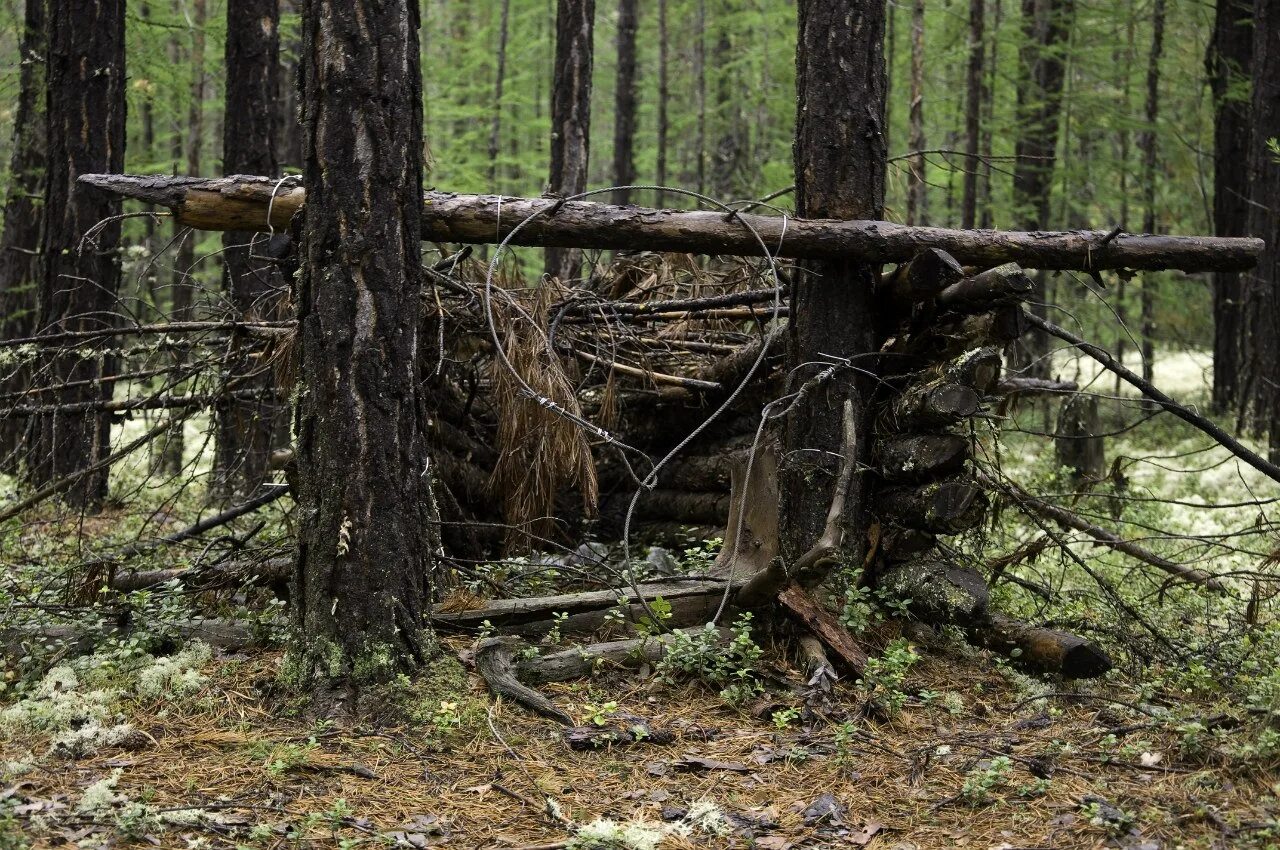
(152, 743)
(978, 756)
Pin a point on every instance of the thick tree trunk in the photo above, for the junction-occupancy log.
(1264, 218)
(247, 429)
(973, 113)
(20, 239)
(225, 204)
(1046, 26)
(624, 114)
(917, 190)
(1147, 144)
(840, 163)
(85, 113)
(570, 116)
(1228, 62)
(367, 539)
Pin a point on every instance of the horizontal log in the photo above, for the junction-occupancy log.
(929, 273)
(935, 404)
(242, 203)
(1040, 649)
(939, 592)
(1004, 284)
(918, 457)
(943, 507)
(1016, 385)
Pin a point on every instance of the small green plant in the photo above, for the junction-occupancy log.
(984, 778)
(846, 737)
(784, 717)
(599, 715)
(554, 634)
(729, 667)
(287, 757)
(699, 557)
(656, 624)
(884, 676)
(446, 718)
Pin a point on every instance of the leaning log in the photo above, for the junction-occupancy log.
(242, 203)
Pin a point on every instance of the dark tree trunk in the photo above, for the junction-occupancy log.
(367, 541)
(973, 113)
(664, 94)
(1147, 144)
(85, 112)
(624, 116)
(20, 239)
(840, 162)
(1264, 217)
(1121, 307)
(184, 284)
(700, 95)
(247, 426)
(500, 78)
(570, 116)
(290, 128)
(1046, 25)
(986, 218)
(726, 165)
(917, 197)
(1228, 62)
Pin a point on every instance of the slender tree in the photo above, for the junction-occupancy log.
(973, 112)
(664, 94)
(1263, 300)
(500, 78)
(917, 190)
(85, 112)
(247, 426)
(20, 238)
(624, 113)
(366, 542)
(840, 161)
(570, 116)
(1147, 143)
(1227, 62)
(1046, 25)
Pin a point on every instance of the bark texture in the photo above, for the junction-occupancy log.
(247, 428)
(973, 112)
(1228, 62)
(365, 544)
(85, 110)
(840, 162)
(23, 215)
(1264, 219)
(570, 116)
(624, 121)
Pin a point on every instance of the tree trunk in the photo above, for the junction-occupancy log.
(664, 94)
(1121, 308)
(973, 113)
(85, 112)
(290, 138)
(726, 166)
(495, 122)
(1227, 62)
(1046, 25)
(367, 541)
(246, 428)
(20, 239)
(1147, 144)
(700, 95)
(840, 163)
(917, 196)
(624, 116)
(570, 117)
(1264, 217)
(986, 219)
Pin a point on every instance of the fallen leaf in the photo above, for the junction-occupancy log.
(868, 832)
(1150, 759)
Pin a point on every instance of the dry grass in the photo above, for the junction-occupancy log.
(487, 787)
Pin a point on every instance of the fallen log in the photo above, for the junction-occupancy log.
(929, 273)
(1006, 284)
(243, 203)
(938, 592)
(1018, 385)
(918, 457)
(1040, 649)
(935, 404)
(942, 507)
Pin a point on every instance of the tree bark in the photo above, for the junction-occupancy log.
(664, 95)
(1264, 218)
(570, 116)
(624, 114)
(85, 112)
(221, 204)
(1147, 144)
(973, 113)
(1227, 62)
(495, 122)
(366, 542)
(1046, 26)
(247, 428)
(840, 161)
(23, 215)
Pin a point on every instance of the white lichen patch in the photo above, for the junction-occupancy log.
(175, 675)
(606, 834)
(101, 797)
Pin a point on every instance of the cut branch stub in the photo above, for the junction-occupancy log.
(939, 592)
(241, 203)
(1006, 284)
(979, 369)
(942, 507)
(919, 457)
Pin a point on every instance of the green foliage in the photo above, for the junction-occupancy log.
(883, 677)
(985, 778)
(728, 667)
